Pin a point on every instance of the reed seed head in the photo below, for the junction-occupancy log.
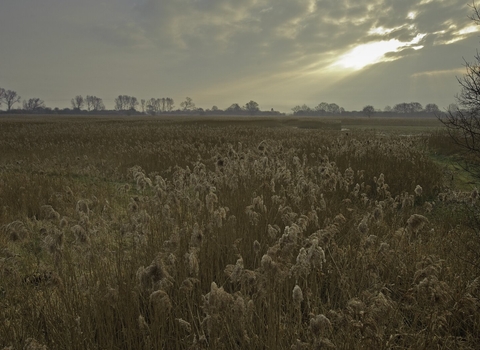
(63, 222)
(416, 222)
(48, 213)
(256, 247)
(362, 226)
(196, 237)
(418, 190)
(80, 234)
(82, 207)
(142, 324)
(297, 295)
(16, 230)
(320, 324)
(160, 302)
(186, 326)
(32, 344)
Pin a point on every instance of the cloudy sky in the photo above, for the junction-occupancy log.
(279, 53)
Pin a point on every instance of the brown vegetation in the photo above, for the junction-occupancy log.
(153, 234)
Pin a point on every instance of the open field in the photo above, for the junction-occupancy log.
(216, 233)
(407, 124)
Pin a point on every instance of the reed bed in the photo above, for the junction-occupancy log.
(159, 235)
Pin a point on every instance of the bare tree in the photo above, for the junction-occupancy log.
(334, 108)
(78, 102)
(462, 120)
(234, 108)
(188, 104)
(98, 104)
(2, 94)
(412, 107)
(401, 107)
(33, 104)
(125, 102)
(431, 108)
(368, 110)
(169, 104)
(121, 103)
(154, 105)
(305, 110)
(252, 107)
(296, 109)
(142, 103)
(157, 105)
(94, 103)
(321, 107)
(132, 103)
(89, 102)
(10, 97)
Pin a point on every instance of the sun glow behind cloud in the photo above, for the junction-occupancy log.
(366, 54)
(374, 52)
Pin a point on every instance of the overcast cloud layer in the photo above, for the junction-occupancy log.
(279, 53)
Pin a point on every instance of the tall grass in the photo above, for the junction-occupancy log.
(148, 235)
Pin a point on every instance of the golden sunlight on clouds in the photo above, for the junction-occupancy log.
(366, 54)
(374, 52)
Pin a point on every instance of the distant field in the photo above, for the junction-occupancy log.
(391, 124)
(235, 233)
(425, 124)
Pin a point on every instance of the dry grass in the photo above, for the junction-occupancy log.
(149, 234)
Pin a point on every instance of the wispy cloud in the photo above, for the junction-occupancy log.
(437, 73)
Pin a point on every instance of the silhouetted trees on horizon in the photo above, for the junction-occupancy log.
(130, 105)
(94, 103)
(322, 108)
(9, 97)
(368, 110)
(332, 109)
(33, 104)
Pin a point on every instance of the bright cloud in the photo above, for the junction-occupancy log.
(468, 30)
(382, 31)
(374, 52)
(412, 15)
(365, 54)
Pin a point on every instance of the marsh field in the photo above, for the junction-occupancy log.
(240, 233)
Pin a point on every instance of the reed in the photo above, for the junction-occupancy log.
(150, 235)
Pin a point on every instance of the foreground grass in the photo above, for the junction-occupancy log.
(148, 234)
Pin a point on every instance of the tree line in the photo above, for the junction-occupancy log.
(154, 106)
(325, 108)
(124, 104)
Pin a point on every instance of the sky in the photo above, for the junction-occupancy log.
(279, 53)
